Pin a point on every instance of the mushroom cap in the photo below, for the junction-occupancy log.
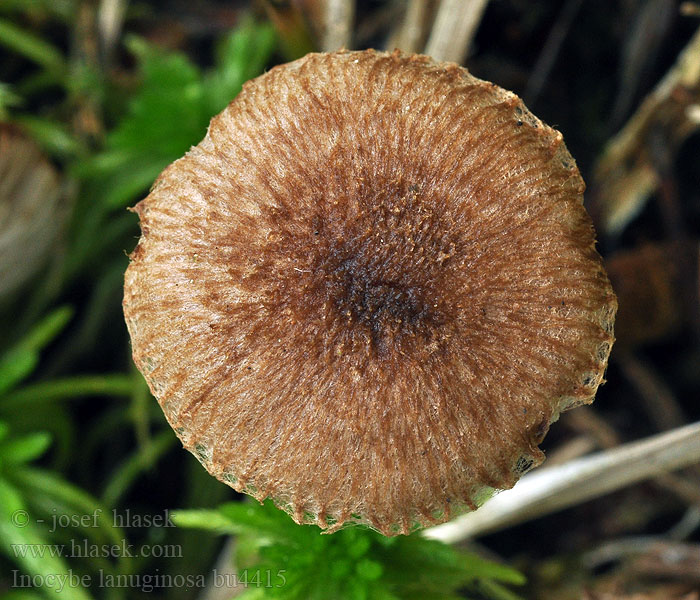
(33, 208)
(369, 290)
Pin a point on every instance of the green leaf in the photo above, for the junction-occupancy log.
(8, 99)
(22, 543)
(138, 462)
(480, 567)
(253, 594)
(51, 135)
(351, 564)
(32, 47)
(25, 448)
(369, 569)
(15, 366)
(19, 362)
(240, 56)
(46, 330)
(22, 595)
(170, 111)
(496, 591)
(359, 547)
(66, 496)
(233, 517)
(134, 177)
(65, 9)
(66, 388)
(208, 520)
(164, 118)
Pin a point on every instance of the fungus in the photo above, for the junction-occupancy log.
(369, 290)
(33, 208)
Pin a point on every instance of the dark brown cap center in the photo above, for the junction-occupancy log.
(373, 273)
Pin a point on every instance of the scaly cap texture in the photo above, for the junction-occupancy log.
(369, 290)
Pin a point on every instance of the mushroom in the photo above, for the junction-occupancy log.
(369, 291)
(33, 209)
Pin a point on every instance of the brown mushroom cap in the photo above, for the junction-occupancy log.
(369, 290)
(33, 209)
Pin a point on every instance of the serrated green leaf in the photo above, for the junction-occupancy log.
(263, 524)
(240, 56)
(171, 110)
(352, 563)
(134, 178)
(164, 118)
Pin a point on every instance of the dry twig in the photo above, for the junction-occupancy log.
(549, 490)
(454, 28)
(550, 51)
(656, 397)
(340, 16)
(626, 174)
(411, 33)
(110, 19)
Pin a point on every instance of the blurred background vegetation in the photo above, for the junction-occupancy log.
(97, 97)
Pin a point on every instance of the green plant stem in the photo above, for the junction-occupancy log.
(139, 461)
(68, 388)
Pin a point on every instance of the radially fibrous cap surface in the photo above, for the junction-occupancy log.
(369, 290)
